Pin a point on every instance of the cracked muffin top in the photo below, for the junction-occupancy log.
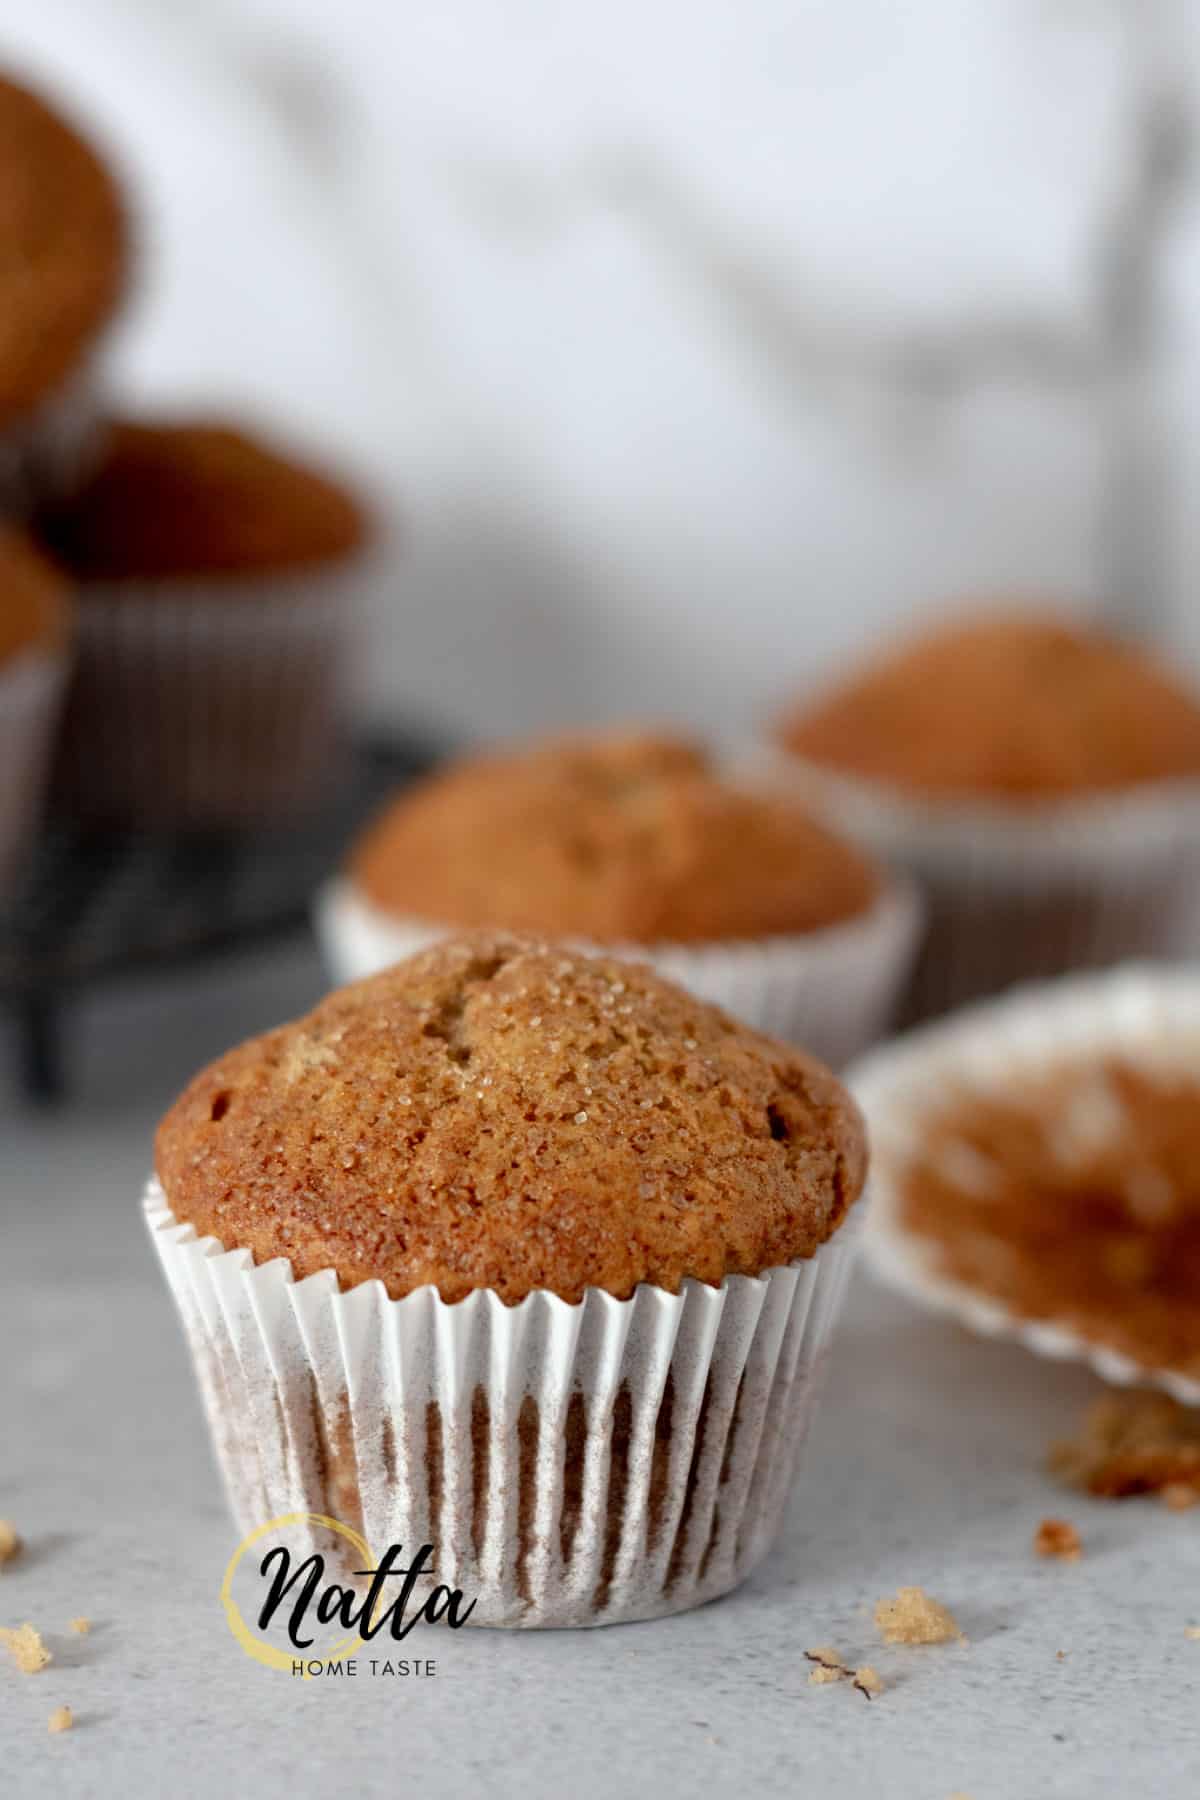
(1008, 707)
(33, 597)
(497, 1113)
(198, 497)
(623, 837)
(65, 254)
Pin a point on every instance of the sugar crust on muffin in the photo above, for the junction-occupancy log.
(496, 1113)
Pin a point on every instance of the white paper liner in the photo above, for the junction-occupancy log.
(1150, 1016)
(207, 703)
(46, 452)
(1013, 894)
(31, 685)
(572, 1464)
(833, 990)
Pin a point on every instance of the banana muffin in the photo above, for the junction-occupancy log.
(1040, 778)
(1035, 1169)
(594, 1230)
(1075, 1199)
(1020, 709)
(34, 646)
(215, 576)
(63, 275)
(636, 839)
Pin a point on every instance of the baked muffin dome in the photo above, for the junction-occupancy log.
(496, 1113)
(63, 229)
(199, 498)
(614, 838)
(1008, 707)
(33, 597)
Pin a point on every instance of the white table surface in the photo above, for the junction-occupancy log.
(923, 1468)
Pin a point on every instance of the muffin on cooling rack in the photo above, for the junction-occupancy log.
(63, 274)
(34, 648)
(217, 581)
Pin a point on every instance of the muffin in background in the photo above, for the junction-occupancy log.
(636, 840)
(34, 649)
(63, 275)
(1040, 778)
(564, 1250)
(1034, 1170)
(216, 580)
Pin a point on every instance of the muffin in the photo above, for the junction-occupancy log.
(1036, 1170)
(216, 582)
(522, 1253)
(34, 639)
(62, 278)
(1040, 778)
(635, 840)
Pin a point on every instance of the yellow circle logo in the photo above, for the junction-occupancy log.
(268, 1654)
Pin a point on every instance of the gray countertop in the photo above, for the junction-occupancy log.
(923, 1468)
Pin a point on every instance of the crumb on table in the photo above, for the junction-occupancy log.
(61, 1719)
(1191, 1631)
(1138, 1443)
(823, 1673)
(80, 1626)
(826, 1655)
(10, 1543)
(868, 1681)
(26, 1648)
(1058, 1537)
(914, 1617)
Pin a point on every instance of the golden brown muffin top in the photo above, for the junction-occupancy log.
(33, 597)
(63, 249)
(1012, 708)
(614, 838)
(199, 498)
(497, 1113)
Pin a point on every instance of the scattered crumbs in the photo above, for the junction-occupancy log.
(61, 1719)
(830, 1667)
(1139, 1443)
(26, 1648)
(1178, 1496)
(1060, 1656)
(1059, 1538)
(1191, 1631)
(10, 1543)
(915, 1617)
(81, 1627)
(823, 1673)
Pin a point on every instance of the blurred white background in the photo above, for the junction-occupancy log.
(687, 346)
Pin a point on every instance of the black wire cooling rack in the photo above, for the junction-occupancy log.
(97, 905)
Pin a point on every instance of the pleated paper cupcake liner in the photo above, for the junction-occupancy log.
(1147, 1016)
(31, 686)
(206, 704)
(1016, 896)
(834, 990)
(46, 453)
(571, 1464)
